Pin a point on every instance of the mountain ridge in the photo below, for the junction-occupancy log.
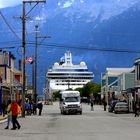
(75, 32)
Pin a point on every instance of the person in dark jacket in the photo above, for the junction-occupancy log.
(40, 107)
(136, 110)
(3, 108)
(34, 108)
(91, 104)
(105, 104)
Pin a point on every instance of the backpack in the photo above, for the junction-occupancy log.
(19, 109)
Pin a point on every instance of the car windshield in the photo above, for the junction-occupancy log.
(121, 104)
(71, 99)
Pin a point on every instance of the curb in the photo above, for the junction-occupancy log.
(2, 120)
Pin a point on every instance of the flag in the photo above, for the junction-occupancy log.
(29, 59)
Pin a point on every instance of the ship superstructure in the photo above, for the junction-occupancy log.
(65, 74)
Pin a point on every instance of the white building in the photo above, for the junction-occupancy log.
(114, 81)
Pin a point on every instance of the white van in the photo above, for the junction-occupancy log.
(70, 102)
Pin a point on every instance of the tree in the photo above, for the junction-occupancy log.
(91, 88)
(80, 90)
(56, 94)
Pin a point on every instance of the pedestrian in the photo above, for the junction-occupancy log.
(34, 108)
(31, 107)
(14, 109)
(9, 114)
(40, 107)
(91, 104)
(3, 108)
(88, 100)
(105, 104)
(136, 110)
(28, 107)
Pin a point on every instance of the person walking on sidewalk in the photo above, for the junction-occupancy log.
(136, 111)
(3, 108)
(34, 108)
(9, 114)
(105, 104)
(91, 104)
(14, 109)
(40, 107)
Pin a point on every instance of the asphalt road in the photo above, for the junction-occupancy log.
(91, 125)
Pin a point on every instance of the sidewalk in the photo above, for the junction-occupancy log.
(2, 118)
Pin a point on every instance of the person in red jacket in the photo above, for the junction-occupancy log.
(14, 110)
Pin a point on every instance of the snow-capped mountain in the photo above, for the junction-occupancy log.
(93, 8)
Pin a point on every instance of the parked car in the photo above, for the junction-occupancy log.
(121, 107)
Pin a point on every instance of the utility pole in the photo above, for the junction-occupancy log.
(24, 15)
(36, 56)
(23, 58)
(33, 78)
(36, 42)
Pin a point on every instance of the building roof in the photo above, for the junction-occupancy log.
(118, 71)
(114, 72)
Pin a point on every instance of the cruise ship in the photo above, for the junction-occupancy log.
(65, 75)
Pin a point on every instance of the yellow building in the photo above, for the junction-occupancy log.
(11, 78)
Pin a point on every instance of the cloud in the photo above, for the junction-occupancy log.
(59, 3)
(67, 4)
(39, 18)
(81, 1)
(10, 3)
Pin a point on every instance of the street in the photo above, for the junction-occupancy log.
(91, 125)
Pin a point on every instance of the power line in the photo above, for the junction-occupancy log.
(9, 26)
(87, 48)
(10, 41)
(11, 47)
(2, 31)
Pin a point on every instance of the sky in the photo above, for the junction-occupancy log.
(7, 3)
(10, 3)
